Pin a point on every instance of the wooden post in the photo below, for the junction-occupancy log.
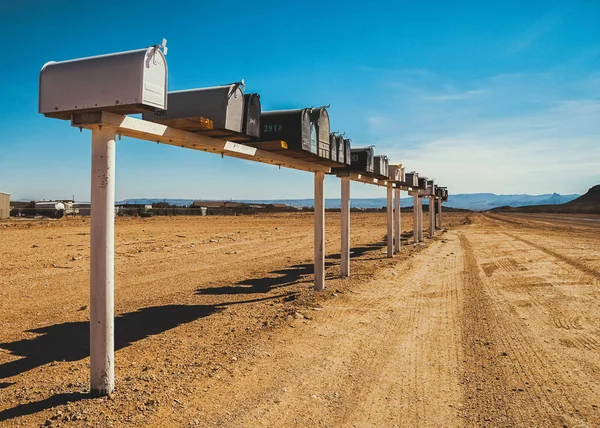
(420, 219)
(345, 213)
(440, 213)
(319, 246)
(397, 221)
(432, 216)
(390, 223)
(416, 216)
(102, 263)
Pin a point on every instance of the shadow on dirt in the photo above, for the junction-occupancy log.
(288, 276)
(38, 406)
(70, 342)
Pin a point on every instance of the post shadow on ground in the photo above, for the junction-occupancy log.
(287, 276)
(70, 342)
(38, 406)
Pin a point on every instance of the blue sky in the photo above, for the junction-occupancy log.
(497, 97)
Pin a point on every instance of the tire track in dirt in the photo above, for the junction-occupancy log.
(574, 263)
(539, 385)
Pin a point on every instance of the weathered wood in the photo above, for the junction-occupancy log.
(191, 124)
(319, 234)
(156, 132)
(345, 214)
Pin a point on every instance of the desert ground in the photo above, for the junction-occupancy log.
(494, 322)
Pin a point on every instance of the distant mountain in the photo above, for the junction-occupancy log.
(470, 201)
(588, 203)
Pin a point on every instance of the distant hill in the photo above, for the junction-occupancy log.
(589, 203)
(469, 201)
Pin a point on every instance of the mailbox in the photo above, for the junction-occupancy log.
(412, 179)
(363, 160)
(348, 151)
(124, 83)
(295, 127)
(341, 151)
(422, 183)
(251, 120)
(395, 172)
(333, 144)
(224, 105)
(430, 188)
(320, 118)
(381, 166)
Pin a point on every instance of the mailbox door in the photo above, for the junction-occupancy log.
(155, 73)
(333, 147)
(323, 131)
(252, 110)
(234, 111)
(314, 145)
(347, 152)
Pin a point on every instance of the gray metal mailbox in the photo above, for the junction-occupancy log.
(363, 160)
(341, 150)
(224, 105)
(411, 179)
(395, 172)
(125, 83)
(348, 151)
(430, 188)
(333, 144)
(295, 127)
(422, 183)
(381, 166)
(320, 118)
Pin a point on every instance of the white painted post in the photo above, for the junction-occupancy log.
(397, 221)
(390, 223)
(102, 263)
(420, 219)
(416, 216)
(319, 246)
(432, 217)
(345, 208)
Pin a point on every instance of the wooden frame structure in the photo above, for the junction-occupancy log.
(105, 127)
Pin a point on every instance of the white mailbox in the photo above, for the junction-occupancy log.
(124, 82)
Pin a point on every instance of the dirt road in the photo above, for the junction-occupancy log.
(494, 323)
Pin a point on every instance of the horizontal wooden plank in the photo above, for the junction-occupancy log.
(156, 132)
(188, 123)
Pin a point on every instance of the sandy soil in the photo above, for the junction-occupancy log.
(493, 323)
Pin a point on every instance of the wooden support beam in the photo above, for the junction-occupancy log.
(156, 132)
(416, 217)
(390, 222)
(319, 236)
(102, 263)
(432, 217)
(345, 214)
(397, 221)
